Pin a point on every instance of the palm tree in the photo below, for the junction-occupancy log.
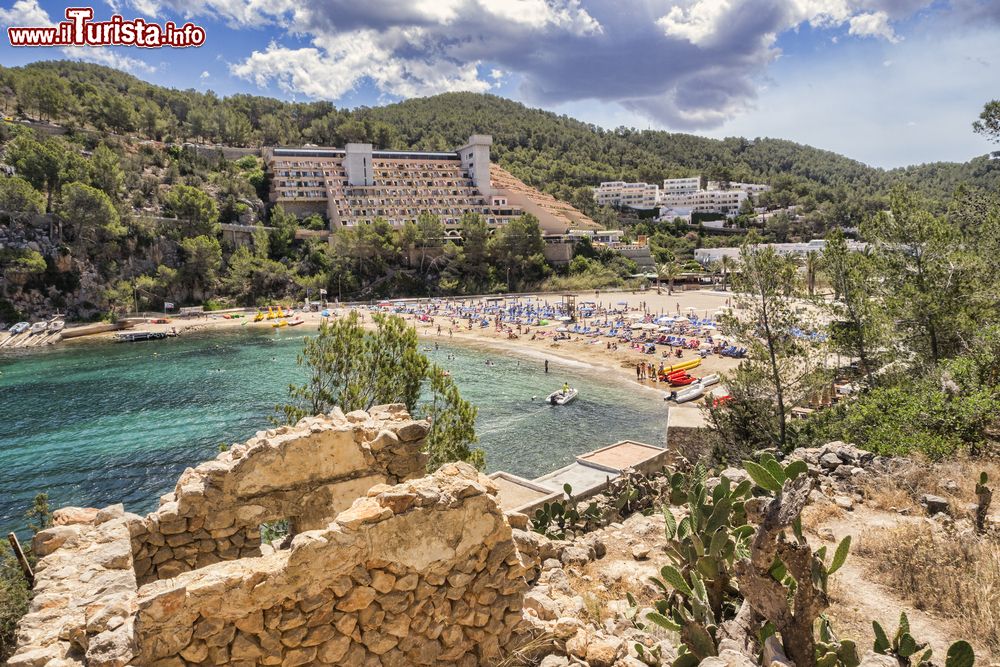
(667, 271)
(725, 267)
(812, 264)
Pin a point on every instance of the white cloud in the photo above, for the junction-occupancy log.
(697, 23)
(29, 13)
(26, 13)
(873, 24)
(334, 66)
(568, 15)
(687, 64)
(844, 104)
(107, 56)
(205, 75)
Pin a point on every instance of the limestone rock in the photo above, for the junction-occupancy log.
(603, 651)
(65, 516)
(872, 659)
(934, 504)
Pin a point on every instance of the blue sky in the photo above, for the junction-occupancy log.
(888, 82)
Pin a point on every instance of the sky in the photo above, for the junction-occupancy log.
(887, 82)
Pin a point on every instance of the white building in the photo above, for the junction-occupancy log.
(681, 186)
(622, 194)
(749, 188)
(706, 256)
(679, 197)
(609, 237)
(727, 202)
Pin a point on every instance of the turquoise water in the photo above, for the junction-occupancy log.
(103, 423)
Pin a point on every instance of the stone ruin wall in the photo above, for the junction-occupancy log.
(306, 474)
(424, 572)
(84, 603)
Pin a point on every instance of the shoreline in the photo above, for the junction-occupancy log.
(581, 352)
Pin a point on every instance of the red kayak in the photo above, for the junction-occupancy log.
(682, 381)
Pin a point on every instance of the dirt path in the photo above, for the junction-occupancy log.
(857, 600)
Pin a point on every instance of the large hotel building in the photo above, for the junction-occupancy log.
(356, 184)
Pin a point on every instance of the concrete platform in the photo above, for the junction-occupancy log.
(586, 480)
(626, 454)
(521, 495)
(588, 475)
(682, 416)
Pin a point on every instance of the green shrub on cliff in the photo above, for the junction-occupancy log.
(355, 370)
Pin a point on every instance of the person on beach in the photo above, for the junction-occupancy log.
(546, 365)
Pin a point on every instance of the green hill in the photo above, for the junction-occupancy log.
(555, 153)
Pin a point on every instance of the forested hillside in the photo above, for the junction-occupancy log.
(555, 153)
(132, 215)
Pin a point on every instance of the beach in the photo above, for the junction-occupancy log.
(531, 341)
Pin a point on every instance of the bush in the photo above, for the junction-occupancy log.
(217, 304)
(918, 416)
(14, 596)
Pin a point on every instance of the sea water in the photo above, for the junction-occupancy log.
(101, 423)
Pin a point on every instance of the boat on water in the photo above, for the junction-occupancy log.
(560, 397)
(138, 336)
(38, 327)
(691, 393)
(56, 325)
(694, 390)
(279, 324)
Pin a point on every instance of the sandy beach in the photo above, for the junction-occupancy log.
(578, 349)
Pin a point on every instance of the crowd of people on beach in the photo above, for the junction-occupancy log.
(638, 329)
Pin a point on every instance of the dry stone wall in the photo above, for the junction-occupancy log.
(306, 474)
(85, 593)
(422, 573)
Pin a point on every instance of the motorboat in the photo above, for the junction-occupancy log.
(56, 325)
(19, 328)
(560, 397)
(38, 327)
(693, 392)
(695, 389)
(709, 380)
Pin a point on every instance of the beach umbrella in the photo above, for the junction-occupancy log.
(623, 303)
(562, 329)
(565, 318)
(636, 326)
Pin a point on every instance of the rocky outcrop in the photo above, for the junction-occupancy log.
(423, 573)
(305, 474)
(85, 594)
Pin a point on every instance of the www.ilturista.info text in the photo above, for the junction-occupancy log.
(79, 30)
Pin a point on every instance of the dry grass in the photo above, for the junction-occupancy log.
(955, 576)
(529, 652)
(904, 486)
(818, 514)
